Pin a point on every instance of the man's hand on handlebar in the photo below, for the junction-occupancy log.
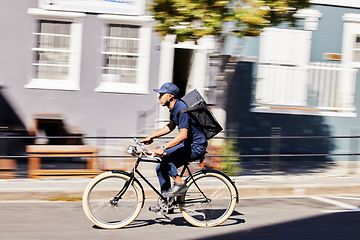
(158, 152)
(147, 141)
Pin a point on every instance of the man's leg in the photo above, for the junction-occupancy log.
(178, 159)
(163, 176)
(164, 170)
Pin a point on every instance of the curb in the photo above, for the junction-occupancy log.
(247, 191)
(298, 190)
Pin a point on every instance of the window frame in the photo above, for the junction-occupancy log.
(76, 24)
(142, 77)
(350, 33)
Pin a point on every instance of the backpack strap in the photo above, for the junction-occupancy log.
(196, 107)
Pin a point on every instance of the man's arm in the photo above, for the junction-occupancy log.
(183, 133)
(163, 131)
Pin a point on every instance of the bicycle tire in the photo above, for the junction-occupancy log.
(98, 193)
(222, 198)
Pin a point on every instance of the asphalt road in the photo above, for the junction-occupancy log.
(328, 218)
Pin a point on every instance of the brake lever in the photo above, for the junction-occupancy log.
(145, 151)
(140, 144)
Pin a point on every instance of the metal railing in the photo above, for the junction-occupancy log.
(275, 155)
(274, 138)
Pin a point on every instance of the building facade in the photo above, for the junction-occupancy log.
(304, 81)
(93, 63)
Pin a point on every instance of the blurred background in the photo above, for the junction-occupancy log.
(77, 79)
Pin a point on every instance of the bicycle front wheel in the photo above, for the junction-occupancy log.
(99, 205)
(210, 199)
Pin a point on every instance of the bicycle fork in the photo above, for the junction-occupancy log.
(114, 200)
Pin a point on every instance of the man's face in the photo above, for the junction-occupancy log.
(165, 98)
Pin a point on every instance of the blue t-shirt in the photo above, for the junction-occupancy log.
(195, 134)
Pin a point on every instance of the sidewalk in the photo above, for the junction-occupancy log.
(333, 181)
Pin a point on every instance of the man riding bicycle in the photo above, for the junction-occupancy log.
(115, 198)
(188, 145)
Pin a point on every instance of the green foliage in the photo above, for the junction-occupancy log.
(229, 165)
(192, 19)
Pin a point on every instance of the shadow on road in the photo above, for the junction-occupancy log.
(178, 221)
(134, 224)
(334, 226)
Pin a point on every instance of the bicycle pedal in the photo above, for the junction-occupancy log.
(155, 209)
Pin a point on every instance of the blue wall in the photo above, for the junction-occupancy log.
(327, 39)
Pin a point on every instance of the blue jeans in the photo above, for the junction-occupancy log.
(176, 157)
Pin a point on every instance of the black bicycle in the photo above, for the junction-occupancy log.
(115, 198)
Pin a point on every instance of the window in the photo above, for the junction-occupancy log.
(53, 50)
(287, 82)
(351, 40)
(281, 73)
(56, 50)
(356, 54)
(122, 52)
(126, 53)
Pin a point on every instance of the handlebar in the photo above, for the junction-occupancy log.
(139, 143)
(133, 150)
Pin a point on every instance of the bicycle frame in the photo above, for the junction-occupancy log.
(151, 160)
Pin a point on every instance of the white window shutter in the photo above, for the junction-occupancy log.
(285, 47)
(281, 73)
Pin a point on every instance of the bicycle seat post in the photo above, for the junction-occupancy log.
(185, 167)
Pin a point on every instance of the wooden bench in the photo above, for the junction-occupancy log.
(38, 151)
(7, 168)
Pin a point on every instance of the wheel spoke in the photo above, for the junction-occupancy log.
(218, 193)
(96, 207)
(212, 204)
(98, 196)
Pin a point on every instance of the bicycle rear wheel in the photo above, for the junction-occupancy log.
(210, 199)
(99, 206)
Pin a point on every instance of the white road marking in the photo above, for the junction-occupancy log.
(349, 198)
(341, 211)
(348, 207)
